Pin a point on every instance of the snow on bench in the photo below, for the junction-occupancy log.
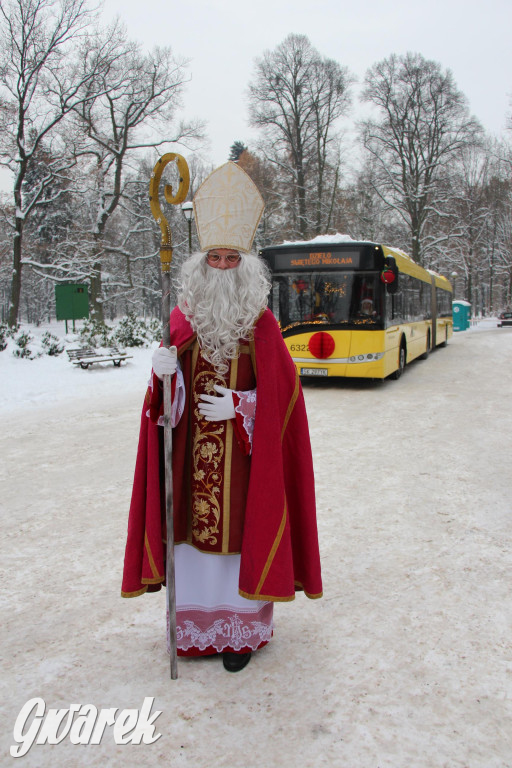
(85, 356)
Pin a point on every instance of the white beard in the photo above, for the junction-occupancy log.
(223, 305)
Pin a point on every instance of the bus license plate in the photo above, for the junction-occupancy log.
(313, 371)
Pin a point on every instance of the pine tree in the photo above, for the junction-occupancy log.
(236, 150)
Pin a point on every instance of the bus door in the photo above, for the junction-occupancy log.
(434, 312)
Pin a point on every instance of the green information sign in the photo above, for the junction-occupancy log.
(71, 302)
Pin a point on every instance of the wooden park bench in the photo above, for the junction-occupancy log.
(85, 356)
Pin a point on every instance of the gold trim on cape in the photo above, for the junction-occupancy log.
(272, 553)
(154, 569)
(134, 594)
(291, 404)
(282, 524)
(228, 449)
(269, 598)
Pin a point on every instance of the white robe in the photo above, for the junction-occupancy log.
(211, 616)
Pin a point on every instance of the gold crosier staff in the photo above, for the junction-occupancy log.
(165, 260)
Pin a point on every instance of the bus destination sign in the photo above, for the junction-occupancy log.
(316, 260)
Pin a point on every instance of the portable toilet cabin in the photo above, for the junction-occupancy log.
(461, 315)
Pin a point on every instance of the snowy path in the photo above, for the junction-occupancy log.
(405, 663)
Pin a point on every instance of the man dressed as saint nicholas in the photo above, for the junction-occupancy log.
(244, 503)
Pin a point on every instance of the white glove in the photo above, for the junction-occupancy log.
(219, 408)
(165, 361)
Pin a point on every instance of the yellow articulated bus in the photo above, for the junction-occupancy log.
(360, 309)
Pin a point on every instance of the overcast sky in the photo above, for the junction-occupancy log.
(222, 38)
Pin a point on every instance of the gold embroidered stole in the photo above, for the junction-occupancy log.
(215, 456)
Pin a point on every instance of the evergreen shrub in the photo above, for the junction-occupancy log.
(5, 332)
(133, 331)
(95, 334)
(51, 344)
(22, 341)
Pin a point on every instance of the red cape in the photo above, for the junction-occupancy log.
(280, 544)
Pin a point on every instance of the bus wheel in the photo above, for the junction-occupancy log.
(401, 362)
(427, 348)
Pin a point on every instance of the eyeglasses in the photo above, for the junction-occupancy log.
(214, 258)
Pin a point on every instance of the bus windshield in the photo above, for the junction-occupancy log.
(340, 298)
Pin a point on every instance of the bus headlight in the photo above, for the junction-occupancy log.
(370, 357)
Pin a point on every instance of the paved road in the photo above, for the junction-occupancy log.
(405, 663)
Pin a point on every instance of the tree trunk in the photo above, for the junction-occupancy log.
(469, 284)
(416, 248)
(14, 306)
(491, 281)
(301, 195)
(333, 197)
(96, 298)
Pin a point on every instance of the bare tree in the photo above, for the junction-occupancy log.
(130, 106)
(39, 86)
(498, 234)
(464, 250)
(265, 177)
(423, 124)
(132, 248)
(297, 98)
(472, 239)
(328, 89)
(365, 215)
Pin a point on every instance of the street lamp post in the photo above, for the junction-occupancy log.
(454, 278)
(188, 212)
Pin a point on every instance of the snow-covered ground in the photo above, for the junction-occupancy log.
(405, 663)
